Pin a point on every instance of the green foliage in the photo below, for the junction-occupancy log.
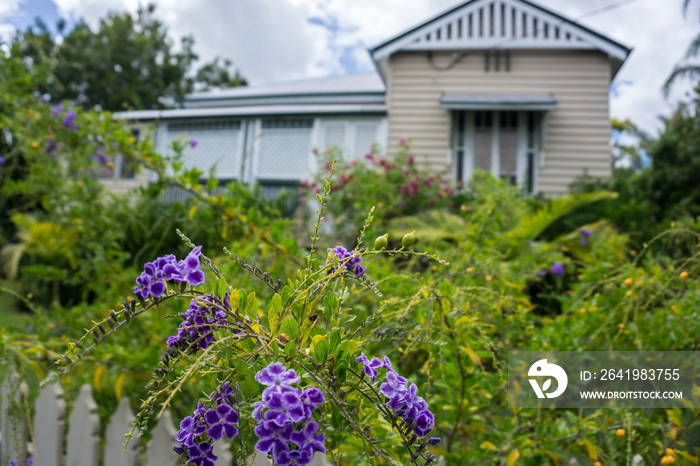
(395, 186)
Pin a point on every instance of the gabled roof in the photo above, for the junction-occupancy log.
(505, 24)
(358, 88)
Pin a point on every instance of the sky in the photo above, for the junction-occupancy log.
(279, 40)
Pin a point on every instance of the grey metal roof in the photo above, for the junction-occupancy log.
(254, 110)
(498, 101)
(351, 88)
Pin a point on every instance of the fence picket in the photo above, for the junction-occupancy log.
(49, 425)
(83, 431)
(119, 424)
(222, 451)
(159, 450)
(12, 421)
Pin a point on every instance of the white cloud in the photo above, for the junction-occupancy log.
(272, 40)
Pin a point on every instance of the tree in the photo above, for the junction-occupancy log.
(127, 62)
(212, 75)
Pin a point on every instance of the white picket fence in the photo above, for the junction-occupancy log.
(82, 442)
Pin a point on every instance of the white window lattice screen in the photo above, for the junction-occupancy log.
(355, 138)
(285, 147)
(217, 146)
(334, 135)
(365, 136)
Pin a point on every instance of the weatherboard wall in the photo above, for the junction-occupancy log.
(578, 129)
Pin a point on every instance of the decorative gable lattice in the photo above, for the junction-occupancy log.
(508, 24)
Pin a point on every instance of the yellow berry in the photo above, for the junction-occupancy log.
(620, 432)
(79, 184)
(35, 145)
(30, 112)
(597, 463)
(684, 275)
(582, 311)
(629, 293)
(470, 270)
(670, 452)
(408, 239)
(381, 242)
(633, 252)
(621, 326)
(110, 165)
(664, 461)
(670, 460)
(462, 207)
(610, 420)
(628, 282)
(489, 278)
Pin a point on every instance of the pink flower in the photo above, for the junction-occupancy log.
(351, 163)
(402, 142)
(382, 161)
(369, 156)
(404, 190)
(410, 160)
(327, 166)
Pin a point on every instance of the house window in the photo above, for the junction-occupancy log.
(217, 148)
(285, 145)
(503, 143)
(354, 137)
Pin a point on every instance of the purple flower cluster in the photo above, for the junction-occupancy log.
(167, 268)
(401, 398)
(203, 317)
(557, 269)
(286, 429)
(345, 260)
(69, 120)
(216, 422)
(30, 462)
(585, 233)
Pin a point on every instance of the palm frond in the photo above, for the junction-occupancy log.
(531, 226)
(693, 48)
(430, 225)
(680, 71)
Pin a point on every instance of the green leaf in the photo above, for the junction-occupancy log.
(251, 308)
(321, 351)
(221, 288)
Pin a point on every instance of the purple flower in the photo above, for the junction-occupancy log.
(214, 423)
(557, 269)
(403, 399)
(186, 270)
(585, 233)
(541, 273)
(370, 367)
(193, 143)
(149, 285)
(222, 421)
(101, 157)
(56, 110)
(276, 374)
(402, 202)
(69, 120)
(2, 160)
(295, 457)
(434, 440)
(166, 268)
(345, 259)
(272, 438)
(308, 438)
(51, 146)
(285, 428)
(201, 454)
(200, 320)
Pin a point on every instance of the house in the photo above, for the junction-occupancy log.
(506, 86)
